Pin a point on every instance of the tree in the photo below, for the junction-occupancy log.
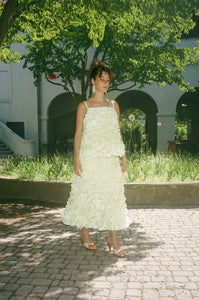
(138, 39)
(6, 17)
(13, 20)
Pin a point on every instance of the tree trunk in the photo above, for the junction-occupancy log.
(6, 18)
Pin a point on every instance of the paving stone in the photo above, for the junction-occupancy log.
(132, 298)
(134, 292)
(100, 292)
(117, 294)
(15, 298)
(44, 259)
(53, 292)
(24, 290)
(98, 298)
(119, 285)
(101, 284)
(69, 297)
(166, 293)
(5, 294)
(11, 287)
(182, 295)
(40, 289)
(134, 285)
(150, 295)
(4, 279)
(70, 291)
(41, 282)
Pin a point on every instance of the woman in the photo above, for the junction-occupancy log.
(97, 193)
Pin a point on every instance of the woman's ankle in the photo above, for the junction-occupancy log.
(113, 240)
(85, 234)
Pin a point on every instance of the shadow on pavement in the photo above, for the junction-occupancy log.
(41, 253)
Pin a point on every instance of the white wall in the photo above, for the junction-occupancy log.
(21, 103)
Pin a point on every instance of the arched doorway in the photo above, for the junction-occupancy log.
(61, 121)
(140, 100)
(187, 114)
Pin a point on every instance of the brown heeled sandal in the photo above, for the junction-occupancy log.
(116, 252)
(89, 246)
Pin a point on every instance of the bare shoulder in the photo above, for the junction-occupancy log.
(82, 107)
(81, 111)
(116, 106)
(111, 102)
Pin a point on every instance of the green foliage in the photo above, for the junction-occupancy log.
(150, 168)
(132, 125)
(181, 131)
(8, 55)
(17, 21)
(56, 167)
(142, 167)
(182, 122)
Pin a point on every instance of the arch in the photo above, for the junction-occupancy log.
(61, 121)
(189, 101)
(141, 100)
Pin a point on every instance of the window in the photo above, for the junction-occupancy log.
(5, 83)
(17, 127)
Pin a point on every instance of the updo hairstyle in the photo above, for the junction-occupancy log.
(96, 69)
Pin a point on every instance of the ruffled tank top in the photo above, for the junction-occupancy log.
(101, 134)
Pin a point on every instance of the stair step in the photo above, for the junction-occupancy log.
(5, 152)
(3, 147)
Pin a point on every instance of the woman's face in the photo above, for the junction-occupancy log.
(101, 83)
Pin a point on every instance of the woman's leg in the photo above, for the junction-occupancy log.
(113, 243)
(86, 240)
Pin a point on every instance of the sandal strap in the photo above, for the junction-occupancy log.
(117, 252)
(88, 244)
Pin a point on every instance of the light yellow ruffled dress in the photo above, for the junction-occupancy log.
(97, 198)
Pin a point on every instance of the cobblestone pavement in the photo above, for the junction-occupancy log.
(41, 258)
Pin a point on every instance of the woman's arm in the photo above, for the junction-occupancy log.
(124, 161)
(81, 110)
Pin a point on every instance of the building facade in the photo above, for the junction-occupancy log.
(45, 115)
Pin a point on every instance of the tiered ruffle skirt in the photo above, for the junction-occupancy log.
(97, 198)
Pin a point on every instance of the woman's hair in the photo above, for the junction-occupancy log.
(96, 69)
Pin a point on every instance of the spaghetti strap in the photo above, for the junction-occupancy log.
(86, 104)
(113, 102)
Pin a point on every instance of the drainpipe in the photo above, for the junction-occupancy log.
(39, 113)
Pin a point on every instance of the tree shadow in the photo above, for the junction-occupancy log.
(39, 250)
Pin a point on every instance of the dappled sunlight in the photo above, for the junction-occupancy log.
(41, 229)
(47, 257)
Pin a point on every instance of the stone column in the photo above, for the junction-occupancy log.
(165, 130)
(44, 134)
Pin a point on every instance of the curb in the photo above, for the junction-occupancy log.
(137, 194)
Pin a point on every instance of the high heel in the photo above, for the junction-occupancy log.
(89, 246)
(116, 252)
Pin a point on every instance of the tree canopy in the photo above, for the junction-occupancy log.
(138, 39)
(13, 24)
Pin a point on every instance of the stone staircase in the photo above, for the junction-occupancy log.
(5, 152)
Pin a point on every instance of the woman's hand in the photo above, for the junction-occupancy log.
(78, 168)
(124, 164)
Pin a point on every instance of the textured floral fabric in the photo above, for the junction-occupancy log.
(97, 198)
(101, 134)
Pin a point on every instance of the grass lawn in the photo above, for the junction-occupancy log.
(142, 168)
